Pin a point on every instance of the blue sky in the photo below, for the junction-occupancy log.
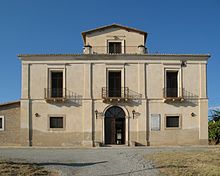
(55, 26)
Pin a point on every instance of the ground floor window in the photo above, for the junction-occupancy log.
(2, 123)
(56, 122)
(172, 121)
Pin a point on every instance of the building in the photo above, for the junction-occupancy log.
(115, 92)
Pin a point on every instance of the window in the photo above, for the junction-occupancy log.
(2, 123)
(114, 47)
(56, 122)
(172, 84)
(56, 84)
(172, 121)
(114, 83)
(155, 122)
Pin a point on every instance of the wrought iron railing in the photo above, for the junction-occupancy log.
(124, 93)
(172, 92)
(54, 93)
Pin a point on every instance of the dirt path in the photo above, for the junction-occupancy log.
(94, 161)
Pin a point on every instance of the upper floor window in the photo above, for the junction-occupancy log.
(56, 84)
(114, 83)
(173, 84)
(2, 123)
(114, 47)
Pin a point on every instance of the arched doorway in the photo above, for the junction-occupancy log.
(115, 126)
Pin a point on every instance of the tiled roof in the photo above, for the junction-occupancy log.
(10, 103)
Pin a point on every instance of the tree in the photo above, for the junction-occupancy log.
(214, 126)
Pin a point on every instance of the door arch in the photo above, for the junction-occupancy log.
(114, 125)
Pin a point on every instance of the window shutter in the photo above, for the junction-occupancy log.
(155, 122)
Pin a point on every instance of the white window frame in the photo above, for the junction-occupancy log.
(3, 123)
(115, 69)
(116, 40)
(179, 79)
(58, 69)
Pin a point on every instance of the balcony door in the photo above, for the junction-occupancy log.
(56, 84)
(172, 83)
(114, 83)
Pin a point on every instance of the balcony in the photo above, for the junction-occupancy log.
(120, 95)
(173, 94)
(55, 95)
(114, 50)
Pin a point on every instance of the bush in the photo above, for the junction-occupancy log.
(214, 127)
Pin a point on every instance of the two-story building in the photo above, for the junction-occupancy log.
(114, 93)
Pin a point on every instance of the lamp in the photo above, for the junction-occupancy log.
(96, 113)
(193, 114)
(37, 115)
(133, 112)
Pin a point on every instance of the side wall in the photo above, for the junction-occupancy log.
(11, 134)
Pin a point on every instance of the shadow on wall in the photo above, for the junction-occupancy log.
(74, 100)
(190, 99)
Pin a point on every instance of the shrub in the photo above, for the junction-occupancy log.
(214, 127)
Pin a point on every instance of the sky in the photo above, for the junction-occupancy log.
(55, 26)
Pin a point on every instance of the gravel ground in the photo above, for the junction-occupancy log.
(93, 162)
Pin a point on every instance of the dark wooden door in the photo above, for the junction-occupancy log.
(114, 83)
(110, 130)
(114, 126)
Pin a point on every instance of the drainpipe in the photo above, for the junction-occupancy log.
(148, 124)
(29, 110)
(93, 125)
(129, 140)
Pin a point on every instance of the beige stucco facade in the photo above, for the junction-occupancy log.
(83, 106)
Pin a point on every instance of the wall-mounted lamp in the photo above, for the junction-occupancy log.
(135, 113)
(193, 114)
(183, 64)
(37, 115)
(96, 113)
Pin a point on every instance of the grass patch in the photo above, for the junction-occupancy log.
(8, 168)
(187, 163)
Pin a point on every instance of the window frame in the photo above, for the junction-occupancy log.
(3, 123)
(49, 82)
(173, 115)
(57, 129)
(117, 41)
(179, 81)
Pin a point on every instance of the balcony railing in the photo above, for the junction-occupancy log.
(108, 50)
(173, 94)
(123, 94)
(54, 94)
